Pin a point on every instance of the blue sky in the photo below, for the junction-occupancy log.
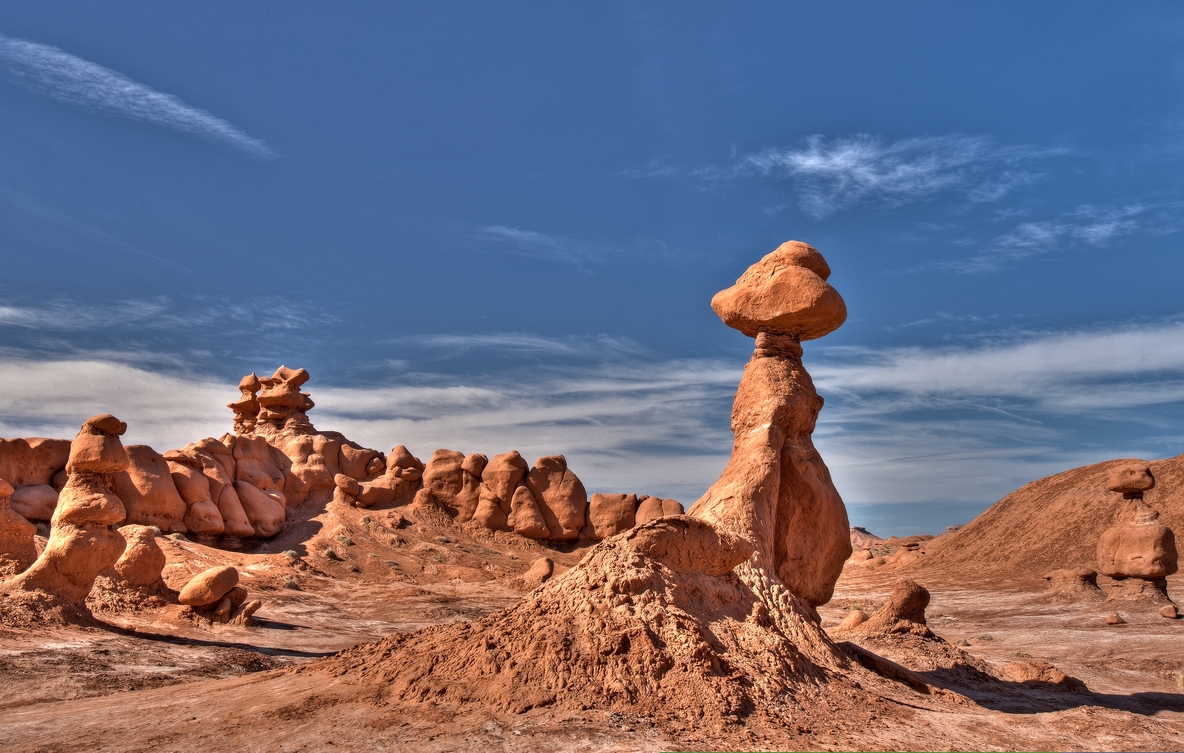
(484, 226)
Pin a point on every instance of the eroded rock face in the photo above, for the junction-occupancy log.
(499, 479)
(17, 550)
(35, 502)
(610, 514)
(143, 560)
(560, 496)
(83, 541)
(776, 491)
(147, 491)
(209, 586)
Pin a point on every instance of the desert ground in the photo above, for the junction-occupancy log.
(154, 680)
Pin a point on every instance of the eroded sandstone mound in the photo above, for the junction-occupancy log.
(17, 550)
(652, 621)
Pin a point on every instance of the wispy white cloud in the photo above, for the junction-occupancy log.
(1086, 225)
(833, 174)
(972, 422)
(1052, 372)
(535, 245)
(965, 423)
(56, 73)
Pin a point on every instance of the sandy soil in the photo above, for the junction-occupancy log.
(156, 680)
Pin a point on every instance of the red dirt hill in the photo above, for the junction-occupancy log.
(1051, 523)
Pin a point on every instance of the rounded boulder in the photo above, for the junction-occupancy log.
(209, 586)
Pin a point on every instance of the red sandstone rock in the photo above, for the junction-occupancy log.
(147, 491)
(854, 619)
(246, 408)
(1169, 611)
(1114, 618)
(143, 560)
(469, 496)
(776, 491)
(83, 541)
(1073, 584)
(525, 518)
(560, 496)
(355, 461)
(649, 508)
(672, 507)
(201, 514)
(785, 292)
(1138, 547)
(443, 479)
(264, 510)
(217, 465)
(280, 397)
(209, 586)
(689, 545)
(1132, 478)
(904, 612)
(17, 550)
(32, 461)
(539, 573)
(35, 502)
(499, 479)
(610, 514)
(1041, 674)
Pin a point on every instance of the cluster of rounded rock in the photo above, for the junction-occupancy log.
(1138, 552)
(85, 542)
(242, 485)
(547, 501)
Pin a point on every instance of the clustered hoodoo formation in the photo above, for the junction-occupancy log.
(243, 485)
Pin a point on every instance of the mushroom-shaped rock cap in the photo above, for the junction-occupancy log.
(786, 293)
(1131, 478)
(96, 448)
(107, 424)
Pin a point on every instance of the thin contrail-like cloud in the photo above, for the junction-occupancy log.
(58, 74)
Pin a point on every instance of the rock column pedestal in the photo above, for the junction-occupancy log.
(1138, 552)
(776, 491)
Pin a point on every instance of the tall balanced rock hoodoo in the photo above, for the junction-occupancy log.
(776, 491)
(1139, 551)
(705, 617)
(83, 540)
